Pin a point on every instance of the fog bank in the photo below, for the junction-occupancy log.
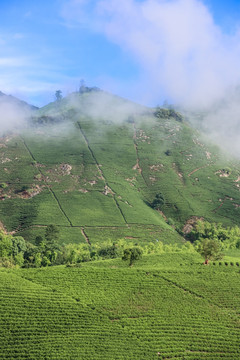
(14, 114)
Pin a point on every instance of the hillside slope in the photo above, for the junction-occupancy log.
(93, 163)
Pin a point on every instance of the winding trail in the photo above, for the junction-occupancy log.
(195, 170)
(48, 186)
(137, 166)
(85, 236)
(222, 203)
(107, 186)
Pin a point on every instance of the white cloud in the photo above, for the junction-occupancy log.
(13, 115)
(180, 48)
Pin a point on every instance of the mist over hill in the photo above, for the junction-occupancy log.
(94, 173)
(14, 113)
(94, 163)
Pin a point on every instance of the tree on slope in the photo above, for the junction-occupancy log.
(132, 254)
(209, 249)
(158, 202)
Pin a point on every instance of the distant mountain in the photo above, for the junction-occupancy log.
(16, 101)
(102, 167)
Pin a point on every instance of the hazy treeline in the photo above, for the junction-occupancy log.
(15, 251)
(227, 237)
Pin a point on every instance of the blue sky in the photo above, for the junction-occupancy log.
(120, 47)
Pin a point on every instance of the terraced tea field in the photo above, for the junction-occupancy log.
(166, 306)
(96, 169)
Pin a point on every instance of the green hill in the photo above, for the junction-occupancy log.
(93, 164)
(104, 169)
(168, 306)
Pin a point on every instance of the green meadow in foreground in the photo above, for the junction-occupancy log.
(167, 306)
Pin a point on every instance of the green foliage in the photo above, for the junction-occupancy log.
(167, 114)
(86, 89)
(58, 95)
(109, 252)
(19, 259)
(229, 237)
(3, 185)
(46, 261)
(6, 245)
(158, 202)
(210, 249)
(39, 240)
(7, 262)
(21, 253)
(18, 245)
(12, 250)
(132, 254)
(75, 253)
(52, 233)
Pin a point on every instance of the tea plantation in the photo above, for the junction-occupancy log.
(167, 306)
(93, 171)
(93, 164)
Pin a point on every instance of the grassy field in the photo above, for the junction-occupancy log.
(167, 306)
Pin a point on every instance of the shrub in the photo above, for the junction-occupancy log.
(167, 114)
(170, 221)
(132, 254)
(109, 252)
(6, 262)
(158, 202)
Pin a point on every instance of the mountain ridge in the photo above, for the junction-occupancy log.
(13, 99)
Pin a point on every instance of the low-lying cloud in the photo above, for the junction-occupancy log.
(182, 52)
(14, 114)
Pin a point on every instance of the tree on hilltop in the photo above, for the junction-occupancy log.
(58, 95)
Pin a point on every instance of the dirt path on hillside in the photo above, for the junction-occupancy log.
(222, 203)
(137, 166)
(178, 172)
(106, 185)
(47, 185)
(85, 236)
(202, 167)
